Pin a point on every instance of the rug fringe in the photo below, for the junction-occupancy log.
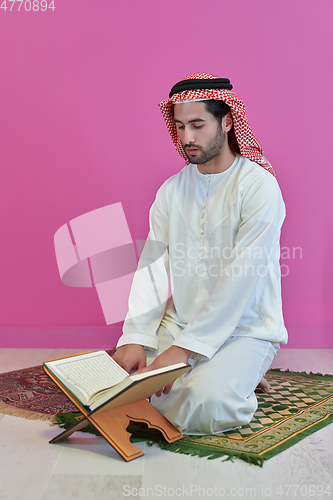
(29, 415)
(185, 449)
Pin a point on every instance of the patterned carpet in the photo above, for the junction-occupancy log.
(29, 393)
(297, 405)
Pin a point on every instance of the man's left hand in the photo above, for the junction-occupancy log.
(171, 356)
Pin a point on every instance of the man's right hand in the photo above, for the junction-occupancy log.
(130, 356)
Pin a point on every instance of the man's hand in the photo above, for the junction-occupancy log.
(169, 357)
(130, 356)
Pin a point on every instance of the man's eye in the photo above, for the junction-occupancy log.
(180, 127)
(197, 126)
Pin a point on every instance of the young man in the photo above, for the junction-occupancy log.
(219, 222)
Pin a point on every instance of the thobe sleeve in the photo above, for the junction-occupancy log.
(150, 286)
(262, 212)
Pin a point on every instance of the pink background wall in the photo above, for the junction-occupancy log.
(80, 129)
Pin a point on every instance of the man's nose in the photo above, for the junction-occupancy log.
(189, 136)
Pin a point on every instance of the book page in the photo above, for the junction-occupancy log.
(90, 372)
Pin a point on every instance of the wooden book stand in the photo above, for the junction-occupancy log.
(112, 418)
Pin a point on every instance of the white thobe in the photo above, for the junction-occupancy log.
(219, 251)
(221, 233)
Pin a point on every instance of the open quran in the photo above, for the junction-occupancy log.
(95, 378)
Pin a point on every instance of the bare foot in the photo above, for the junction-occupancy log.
(263, 386)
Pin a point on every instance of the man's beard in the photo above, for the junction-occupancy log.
(212, 151)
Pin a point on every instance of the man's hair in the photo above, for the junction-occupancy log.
(217, 108)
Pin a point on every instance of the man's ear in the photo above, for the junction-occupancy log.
(227, 122)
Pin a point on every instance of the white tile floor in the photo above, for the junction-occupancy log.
(86, 467)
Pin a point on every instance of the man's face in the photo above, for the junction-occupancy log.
(199, 131)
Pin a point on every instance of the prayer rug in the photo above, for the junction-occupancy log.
(30, 393)
(297, 405)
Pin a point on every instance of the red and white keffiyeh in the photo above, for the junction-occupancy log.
(242, 140)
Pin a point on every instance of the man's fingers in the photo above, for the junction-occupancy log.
(130, 356)
(167, 388)
(142, 364)
(144, 369)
